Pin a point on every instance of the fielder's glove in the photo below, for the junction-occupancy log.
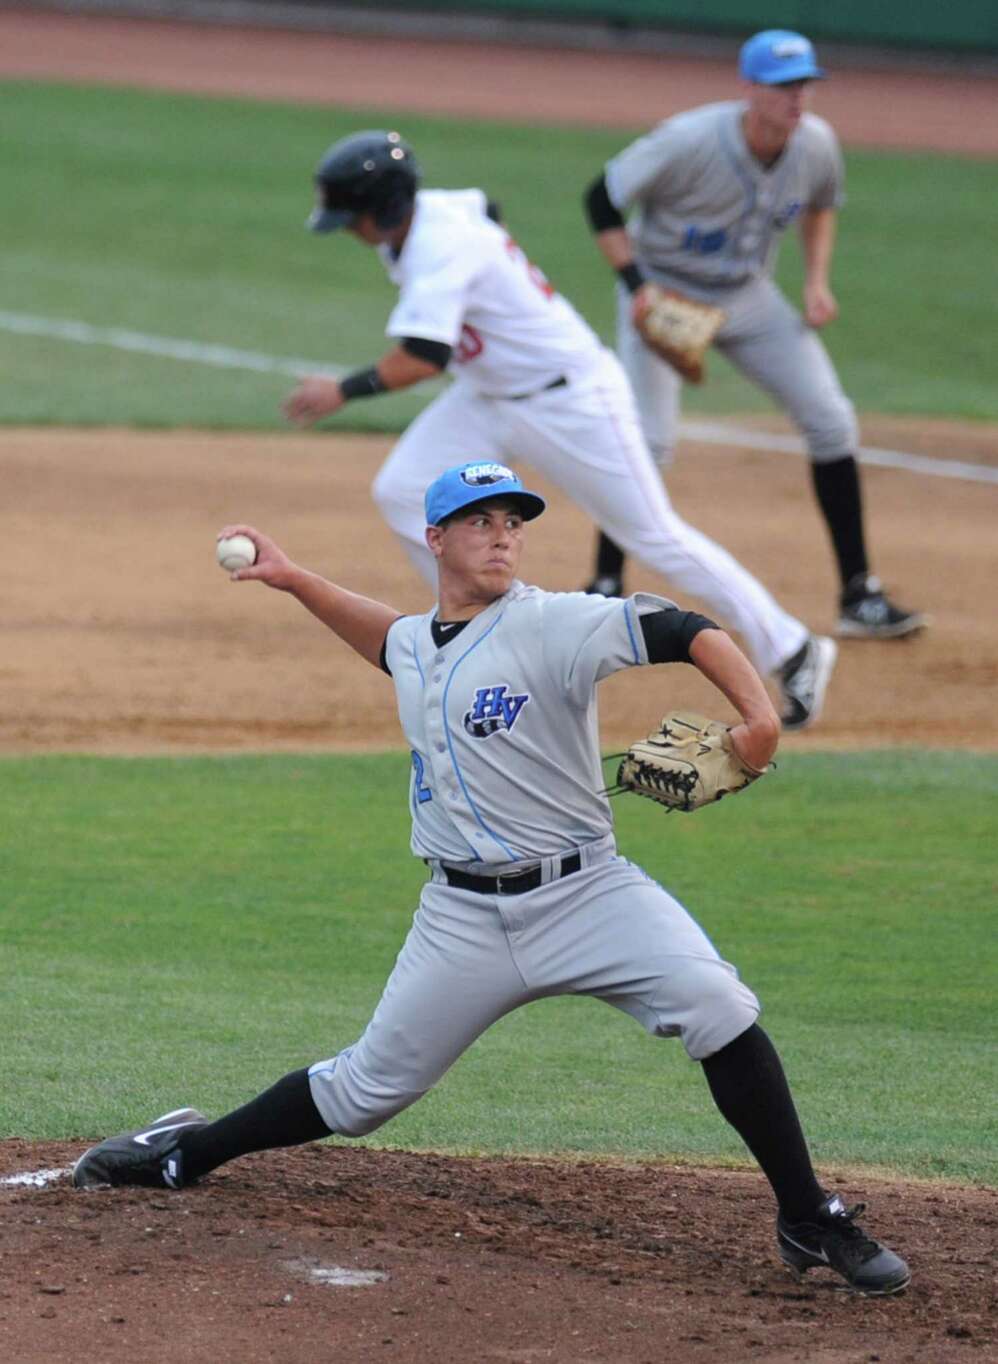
(677, 328)
(688, 762)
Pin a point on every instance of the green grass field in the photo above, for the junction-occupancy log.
(188, 930)
(183, 217)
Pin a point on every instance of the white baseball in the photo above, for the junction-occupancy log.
(235, 551)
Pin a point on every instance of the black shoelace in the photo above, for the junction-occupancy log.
(860, 1245)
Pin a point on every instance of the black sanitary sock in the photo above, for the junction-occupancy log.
(284, 1115)
(836, 486)
(749, 1087)
(609, 558)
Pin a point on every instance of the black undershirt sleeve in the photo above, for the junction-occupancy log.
(433, 352)
(600, 209)
(383, 653)
(493, 211)
(670, 632)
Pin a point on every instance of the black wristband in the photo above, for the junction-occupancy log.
(631, 276)
(363, 383)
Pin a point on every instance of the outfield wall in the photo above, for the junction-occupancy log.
(960, 24)
(926, 28)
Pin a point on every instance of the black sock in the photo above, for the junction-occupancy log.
(284, 1115)
(609, 558)
(836, 486)
(749, 1087)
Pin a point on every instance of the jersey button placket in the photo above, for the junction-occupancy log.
(443, 773)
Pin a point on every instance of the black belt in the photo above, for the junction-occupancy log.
(510, 882)
(560, 382)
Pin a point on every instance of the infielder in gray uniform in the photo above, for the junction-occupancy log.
(527, 896)
(709, 194)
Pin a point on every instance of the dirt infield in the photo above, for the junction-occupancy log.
(121, 636)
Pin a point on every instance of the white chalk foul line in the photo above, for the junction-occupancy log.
(196, 352)
(229, 357)
(717, 433)
(35, 1178)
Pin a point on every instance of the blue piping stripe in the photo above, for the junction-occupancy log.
(630, 631)
(415, 659)
(413, 803)
(453, 756)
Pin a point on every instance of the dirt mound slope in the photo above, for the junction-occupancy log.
(337, 1253)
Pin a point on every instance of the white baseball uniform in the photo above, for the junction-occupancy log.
(506, 778)
(534, 383)
(706, 219)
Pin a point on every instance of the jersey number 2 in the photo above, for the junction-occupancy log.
(423, 792)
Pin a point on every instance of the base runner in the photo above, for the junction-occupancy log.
(532, 382)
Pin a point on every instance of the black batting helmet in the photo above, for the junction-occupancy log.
(369, 172)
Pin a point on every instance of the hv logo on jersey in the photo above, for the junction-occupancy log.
(785, 216)
(493, 709)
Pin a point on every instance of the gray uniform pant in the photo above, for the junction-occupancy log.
(608, 931)
(768, 341)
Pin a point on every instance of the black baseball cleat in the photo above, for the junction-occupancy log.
(609, 585)
(866, 612)
(804, 680)
(149, 1156)
(834, 1241)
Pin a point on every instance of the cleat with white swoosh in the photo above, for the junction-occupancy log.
(149, 1156)
(803, 681)
(832, 1240)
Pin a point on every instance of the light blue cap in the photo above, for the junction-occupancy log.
(469, 483)
(777, 56)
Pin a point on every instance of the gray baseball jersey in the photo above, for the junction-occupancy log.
(705, 208)
(506, 777)
(707, 219)
(503, 725)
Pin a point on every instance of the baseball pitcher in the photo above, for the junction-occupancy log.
(526, 894)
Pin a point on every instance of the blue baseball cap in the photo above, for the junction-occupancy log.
(470, 483)
(777, 56)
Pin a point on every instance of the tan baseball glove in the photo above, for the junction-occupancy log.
(687, 762)
(677, 328)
